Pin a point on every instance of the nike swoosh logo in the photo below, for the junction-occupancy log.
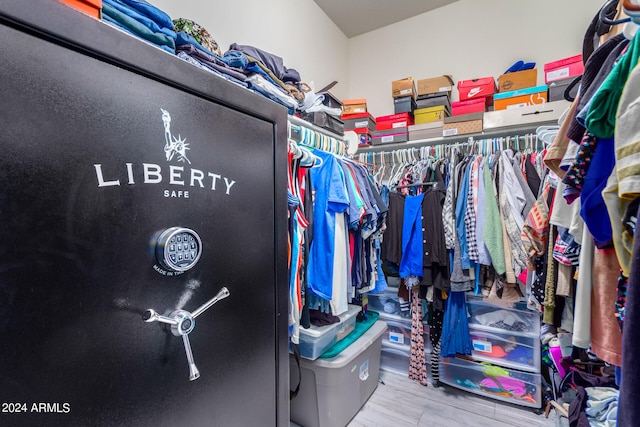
(473, 92)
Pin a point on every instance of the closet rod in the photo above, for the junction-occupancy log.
(299, 122)
(490, 134)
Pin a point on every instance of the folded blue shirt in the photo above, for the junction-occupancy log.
(144, 20)
(144, 7)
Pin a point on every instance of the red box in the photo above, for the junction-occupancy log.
(483, 87)
(563, 68)
(394, 121)
(364, 136)
(478, 105)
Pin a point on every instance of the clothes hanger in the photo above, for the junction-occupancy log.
(607, 8)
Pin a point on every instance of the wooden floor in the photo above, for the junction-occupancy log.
(401, 402)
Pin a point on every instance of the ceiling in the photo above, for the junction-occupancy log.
(356, 17)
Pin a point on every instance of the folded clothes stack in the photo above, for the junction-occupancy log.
(141, 20)
(254, 69)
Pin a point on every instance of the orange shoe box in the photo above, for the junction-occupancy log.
(89, 7)
(354, 106)
(520, 98)
(518, 80)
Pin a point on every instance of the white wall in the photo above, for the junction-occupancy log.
(296, 30)
(467, 39)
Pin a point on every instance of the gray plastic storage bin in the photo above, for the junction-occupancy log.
(332, 391)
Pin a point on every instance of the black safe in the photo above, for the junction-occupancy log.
(135, 188)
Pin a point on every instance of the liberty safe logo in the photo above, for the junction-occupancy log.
(178, 181)
(173, 146)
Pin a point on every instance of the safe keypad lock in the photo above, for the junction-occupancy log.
(182, 324)
(178, 249)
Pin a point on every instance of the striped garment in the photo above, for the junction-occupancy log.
(627, 139)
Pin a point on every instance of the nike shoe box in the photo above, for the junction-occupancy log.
(518, 80)
(354, 106)
(558, 87)
(520, 98)
(405, 104)
(434, 100)
(477, 88)
(428, 115)
(478, 105)
(435, 85)
(390, 136)
(394, 121)
(325, 121)
(403, 87)
(359, 121)
(563, 68)
(463, 125)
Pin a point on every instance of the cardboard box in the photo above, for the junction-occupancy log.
(428, 115)
(394, 121)
(433, 100)
(563, 68)
(405, 104)
(354, 106)
(548, 112)
(478, 105)
(558, 87)
(476, 88)
(403, 87)
(426, 131)
(518, 80)
(441, 84)
(90, 7)
(379, 138)
(462, 125)
(520, 98)
(359, 121)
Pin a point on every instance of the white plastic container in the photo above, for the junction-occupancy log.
(490, 317)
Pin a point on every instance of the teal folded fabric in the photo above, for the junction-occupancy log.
(358, 331)
(601, 118)
(138, 28)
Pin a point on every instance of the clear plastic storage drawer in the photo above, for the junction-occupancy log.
(394, 358)
(509, 385)
(492, 317)
(506, 349)
(388, 302)
(399, 332)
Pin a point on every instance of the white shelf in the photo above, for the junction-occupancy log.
(489, 134)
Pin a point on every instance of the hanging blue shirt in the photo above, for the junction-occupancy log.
(592, 209)
(461, 207)
(331, 197)
(411, 262)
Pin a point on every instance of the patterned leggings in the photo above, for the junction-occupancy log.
(417, 360)
(435, 333)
